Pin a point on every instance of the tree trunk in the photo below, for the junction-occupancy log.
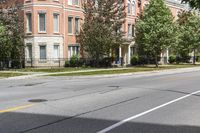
(97, 61)
(156, 61)
(194, 57)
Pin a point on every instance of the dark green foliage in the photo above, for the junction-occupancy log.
(74, 61)
(100, 33)
(193, 3)
(172, 59)
(67, 64)
(183, 48)
(155, 30)
(179, 59)
(106, 62)
(11, 36)
(134, 60)
(189, 34)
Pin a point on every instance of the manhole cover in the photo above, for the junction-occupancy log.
(37, 100)
(33, 84)
(114, 86)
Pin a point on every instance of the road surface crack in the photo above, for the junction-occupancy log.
(78, 115)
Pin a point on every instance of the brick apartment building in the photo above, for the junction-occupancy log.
(51, 27)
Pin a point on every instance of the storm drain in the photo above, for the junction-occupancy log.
(37, 100)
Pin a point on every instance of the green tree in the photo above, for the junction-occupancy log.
(12, 33)
(183, 48)
(5, 44)
(100, 33)
(190, 34)
(155, 29)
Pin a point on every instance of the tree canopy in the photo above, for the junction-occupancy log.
(11, 34)
(155, 29)
(100, 33)
(190, 33)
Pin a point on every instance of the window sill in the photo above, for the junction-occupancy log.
(56, 1)
(78, 6)
(42, 32)
(70, 34)
(28, 33)
(56, 33)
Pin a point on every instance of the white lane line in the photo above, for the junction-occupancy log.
(146, 112)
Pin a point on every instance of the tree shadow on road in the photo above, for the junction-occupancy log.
(15, 122)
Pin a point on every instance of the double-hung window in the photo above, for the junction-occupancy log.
(133, 7)
(133, 30)
(77, 25)
(43, 52)
(29, 51)
(69, 2)
(56, 22)
(29, 22)
(129, 30)
(129, 6)
(73, 51)
(70, 25)
(42, 22)
(56, 51)
(76, 2)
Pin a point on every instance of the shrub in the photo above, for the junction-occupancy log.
(67, 64)
(74, 61)
(186, 59)
(106, 62)
(198, 58)
(172, 59)
(134, 60)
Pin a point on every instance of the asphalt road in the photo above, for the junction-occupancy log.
(150, 103)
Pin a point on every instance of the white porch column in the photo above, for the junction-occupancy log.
(71, 52)
(129, 54)
(120, 55)
(167, 55)
(120, 51)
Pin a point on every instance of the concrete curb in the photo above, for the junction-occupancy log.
(136, 74)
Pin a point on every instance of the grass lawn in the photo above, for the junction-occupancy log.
(126, 70)
(51, 70)
(9, 74)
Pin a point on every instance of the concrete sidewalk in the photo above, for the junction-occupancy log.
(36, 74)
(155, 72)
